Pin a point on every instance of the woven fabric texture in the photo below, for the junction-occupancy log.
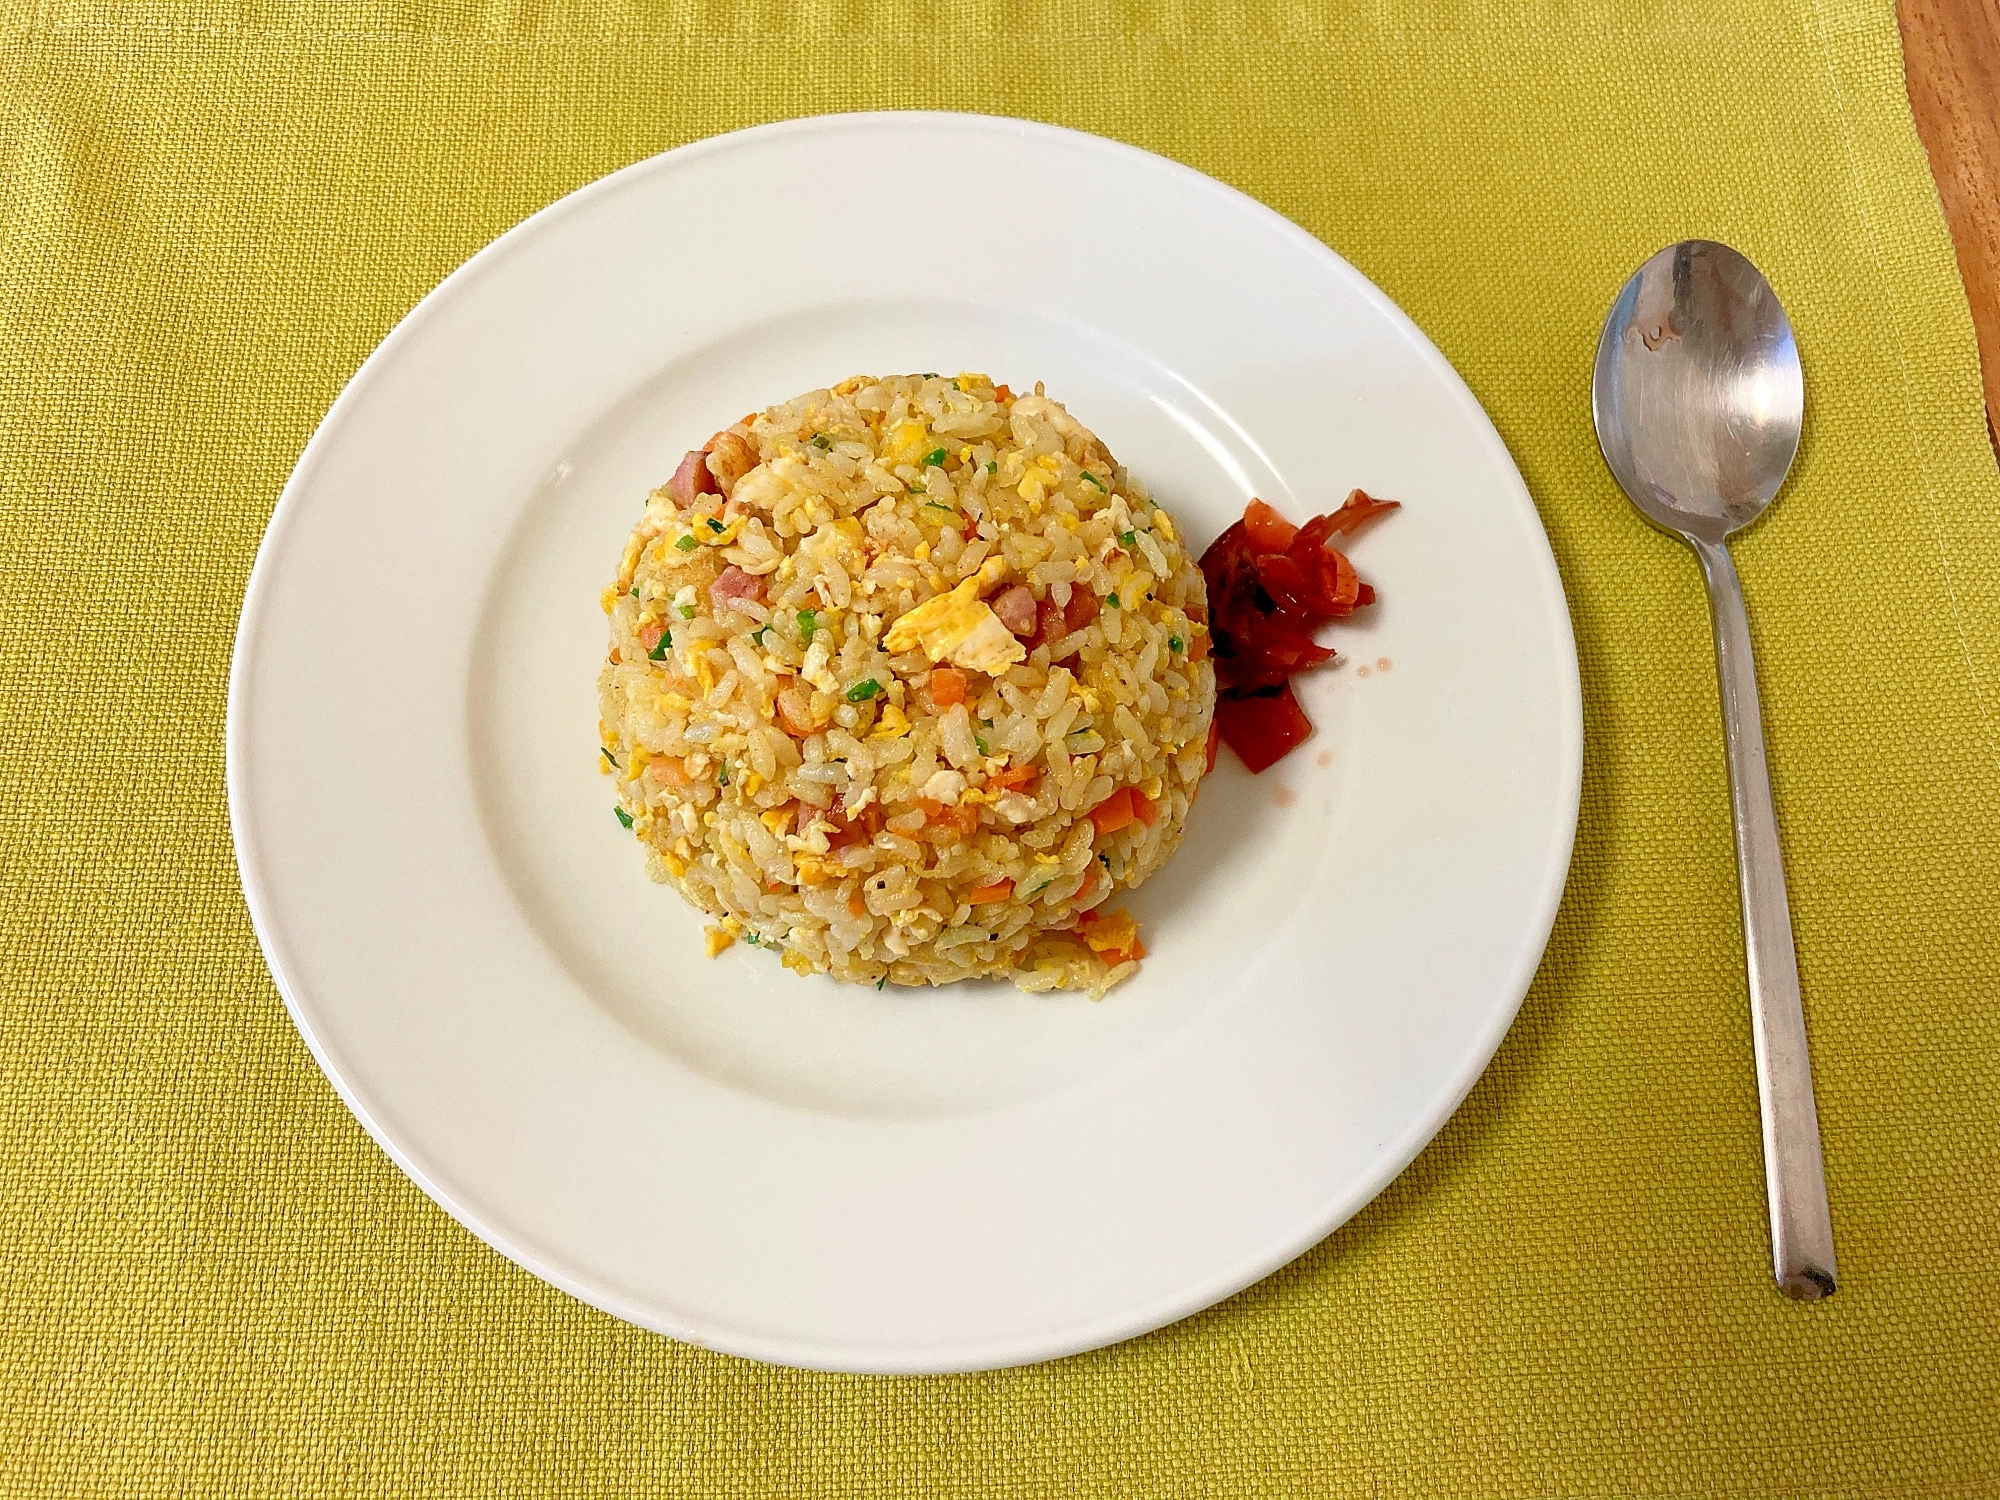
(211, 1282)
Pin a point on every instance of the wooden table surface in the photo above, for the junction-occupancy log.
(1951, 64)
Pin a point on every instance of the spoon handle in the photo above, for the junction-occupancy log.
(1801, 1229)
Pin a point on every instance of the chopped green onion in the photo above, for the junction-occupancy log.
(713, 524)
(934, 459)
(930, 374)
(1112, 600)
(955, 385)
(722, 774)
(1175, 643)
(1089, 478)
(623, 816)
(753, 940)
(607, 755)
(659, 652)
(807, 625)
(822, 442)
(1128, 538)
(687, 544)
(687, 610)
(882, 981)
(984, 748)
(861, 692)
(992, 467)
(635, 593)
(757, 635)
(938, 505)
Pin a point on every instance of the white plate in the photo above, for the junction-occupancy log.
(821, 1175)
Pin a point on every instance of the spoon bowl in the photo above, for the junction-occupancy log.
(1698, 400)
(1698, 394)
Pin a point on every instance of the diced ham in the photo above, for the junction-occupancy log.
(1016, 609)
(734, 584)
(692, 478)
(1081, 609)
(1050, 627)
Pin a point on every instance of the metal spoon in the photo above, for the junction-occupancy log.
(1698, 400)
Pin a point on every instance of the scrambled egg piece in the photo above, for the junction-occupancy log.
(1116, 933)
(961, 628)
(894, 724)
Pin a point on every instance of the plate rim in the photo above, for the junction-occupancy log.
(811, 1353)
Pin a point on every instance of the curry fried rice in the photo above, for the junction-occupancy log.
(908, 679)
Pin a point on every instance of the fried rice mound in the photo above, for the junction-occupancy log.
(908, 681)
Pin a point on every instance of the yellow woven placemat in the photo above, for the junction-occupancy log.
(211, 1281)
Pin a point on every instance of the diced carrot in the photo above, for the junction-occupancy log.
(1147, 810)
(947, 686)
(857, 906)
(1000, 890)
(1198, 643)
(1114, 812)
(1002, 394)
(668, 771)
(1269, 531)
(1018, 779)
(948, 824)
